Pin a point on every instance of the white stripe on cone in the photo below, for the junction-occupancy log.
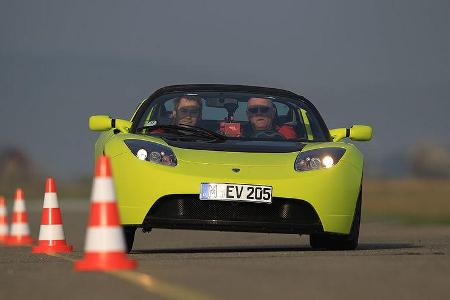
(50, 200)
(20, 229)
(105, 239)
(2, 211)
(19, 205)
(103, 190)
(3, 229)
(51, 232)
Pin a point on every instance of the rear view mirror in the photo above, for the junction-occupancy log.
(221, 102)
(104, 123)
(355, 133)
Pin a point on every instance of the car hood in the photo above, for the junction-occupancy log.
(241, 153)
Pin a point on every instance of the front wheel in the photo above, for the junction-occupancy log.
(331, 241)
(129, 232)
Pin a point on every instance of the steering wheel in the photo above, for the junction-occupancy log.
(272, 134)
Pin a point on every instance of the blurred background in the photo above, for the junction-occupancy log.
(381, 63)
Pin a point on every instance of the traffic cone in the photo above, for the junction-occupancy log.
(51, 233)
(20, 232)
(3, 220)
(105, 242)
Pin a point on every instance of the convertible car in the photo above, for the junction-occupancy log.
(235, 158)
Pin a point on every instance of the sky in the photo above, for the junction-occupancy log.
(381, 63)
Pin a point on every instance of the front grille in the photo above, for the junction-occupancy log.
(281, 215)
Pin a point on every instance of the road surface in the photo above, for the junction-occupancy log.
(393, 262)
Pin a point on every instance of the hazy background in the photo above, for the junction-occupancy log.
(382, 63)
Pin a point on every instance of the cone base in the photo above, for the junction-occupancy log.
(105, 262)
(42, 248)
(3, 238)
(18, 240)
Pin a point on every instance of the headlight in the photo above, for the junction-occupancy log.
(152, 152)
(318, 159)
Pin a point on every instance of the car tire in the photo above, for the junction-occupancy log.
(129, 232)
(329, 241)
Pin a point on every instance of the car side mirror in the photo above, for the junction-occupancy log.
(360, 133)
(104, 123)
(355, 133)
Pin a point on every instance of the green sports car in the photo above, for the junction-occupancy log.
(235, 158)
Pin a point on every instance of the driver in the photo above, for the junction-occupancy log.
(187, 111)
(261, 114)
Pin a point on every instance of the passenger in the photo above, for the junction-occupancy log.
(187, 111)
(261, 113)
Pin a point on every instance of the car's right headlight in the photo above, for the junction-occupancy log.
(152, 152)
(318, 159)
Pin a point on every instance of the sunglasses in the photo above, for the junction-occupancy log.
(192, 112)
(259, 109)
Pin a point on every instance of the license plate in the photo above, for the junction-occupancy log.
(236, 192)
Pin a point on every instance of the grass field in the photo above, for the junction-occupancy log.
(407, 200)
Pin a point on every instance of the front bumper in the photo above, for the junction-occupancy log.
(189, 212)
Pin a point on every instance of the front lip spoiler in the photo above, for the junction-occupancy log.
(236, 226)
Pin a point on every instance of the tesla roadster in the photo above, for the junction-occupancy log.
(235, 158)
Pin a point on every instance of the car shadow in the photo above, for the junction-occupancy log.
(386, 246)
(268, 248)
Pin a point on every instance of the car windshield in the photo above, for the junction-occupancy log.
(200, 116)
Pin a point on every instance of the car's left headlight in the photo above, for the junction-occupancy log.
(316, 159)
(152, 152)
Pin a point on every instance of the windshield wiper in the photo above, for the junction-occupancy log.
(194, 130)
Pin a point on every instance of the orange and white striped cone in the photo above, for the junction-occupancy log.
(3, 220)
(51, 233)
(105, 241)
(20, 231)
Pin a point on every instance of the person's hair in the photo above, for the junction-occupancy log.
(189, 98)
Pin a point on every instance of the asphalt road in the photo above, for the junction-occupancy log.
(392, 262)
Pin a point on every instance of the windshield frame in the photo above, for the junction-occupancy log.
(202, 88)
